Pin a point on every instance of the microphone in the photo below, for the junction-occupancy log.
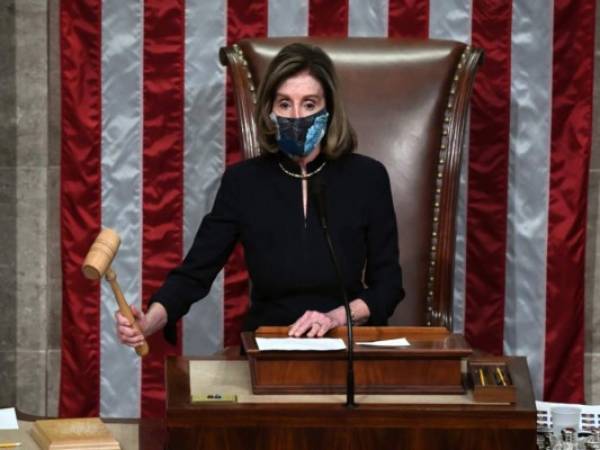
(317, 190)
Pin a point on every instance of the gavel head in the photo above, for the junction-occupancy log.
(101, 254)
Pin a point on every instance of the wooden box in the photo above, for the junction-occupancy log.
(430, 365)
(491, 381)
(73, 434)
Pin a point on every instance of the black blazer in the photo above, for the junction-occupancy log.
(286, 253)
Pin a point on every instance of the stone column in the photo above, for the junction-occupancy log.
(29, 177)
(53, 272)
(31, 67)
(8, 207)
(592, 308)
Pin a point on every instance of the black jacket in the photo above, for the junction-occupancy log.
(286, 254)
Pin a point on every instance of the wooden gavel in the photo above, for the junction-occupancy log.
(97, 264)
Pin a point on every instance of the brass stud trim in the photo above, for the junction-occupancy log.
(442, 161)
(247, 73)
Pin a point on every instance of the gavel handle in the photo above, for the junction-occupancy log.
(111, 277)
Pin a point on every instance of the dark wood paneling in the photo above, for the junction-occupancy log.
(332, 426)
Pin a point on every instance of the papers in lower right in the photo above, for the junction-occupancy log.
(399, 342)
(589, 418)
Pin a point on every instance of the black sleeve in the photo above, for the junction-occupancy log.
(383, 275)
(213, 243)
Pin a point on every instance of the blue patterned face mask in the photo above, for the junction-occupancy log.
(299, 136)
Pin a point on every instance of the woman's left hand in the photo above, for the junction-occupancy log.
(315, 323)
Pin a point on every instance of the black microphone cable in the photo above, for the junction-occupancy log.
(317, 189)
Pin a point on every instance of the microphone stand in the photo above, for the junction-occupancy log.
(319, 195)
(350, 375)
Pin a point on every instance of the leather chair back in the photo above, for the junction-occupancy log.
(408, 102)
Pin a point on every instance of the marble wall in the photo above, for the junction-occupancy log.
(8, 198)
(29, 168)
(30, 278)
(592, 273)
(53, 272)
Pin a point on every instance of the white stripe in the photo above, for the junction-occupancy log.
(121, 195)
(368, 18)
(460, 244)
(451, 19)
(529, 165)
(203, 155)
(288, 18)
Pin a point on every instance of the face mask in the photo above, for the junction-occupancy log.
(299, 136)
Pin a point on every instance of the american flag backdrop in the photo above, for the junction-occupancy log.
(148, 128)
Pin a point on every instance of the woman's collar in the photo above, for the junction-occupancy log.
(293, 166)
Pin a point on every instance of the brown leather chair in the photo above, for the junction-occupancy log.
(408, 102)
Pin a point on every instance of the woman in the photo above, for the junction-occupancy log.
(265, 203)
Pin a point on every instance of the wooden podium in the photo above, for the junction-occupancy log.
(321, 421)
(430, 365)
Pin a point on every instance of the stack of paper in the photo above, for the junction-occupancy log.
(589, 418)
(320, 344)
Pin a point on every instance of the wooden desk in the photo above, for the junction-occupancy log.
(132, 434)
(297, 422)
(322, 422)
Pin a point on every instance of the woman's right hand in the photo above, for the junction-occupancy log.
(126, 332)
(149, 323)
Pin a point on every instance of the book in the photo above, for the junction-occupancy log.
(70, 434)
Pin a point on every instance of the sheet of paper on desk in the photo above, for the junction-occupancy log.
(320, 344)
(400, 342)
(8, 419)
(588, 419)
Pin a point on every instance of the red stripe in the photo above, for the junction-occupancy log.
(80, 22)
(408, 18)
(488, 178)
(162, 240)
(244, 20)
(572, 89)
(328, 18)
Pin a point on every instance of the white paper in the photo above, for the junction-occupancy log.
(286, 344)
(8, 419)
(590, 414)
(399, 342)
